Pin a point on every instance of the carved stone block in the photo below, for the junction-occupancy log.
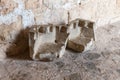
(47, 42)
(81, 34)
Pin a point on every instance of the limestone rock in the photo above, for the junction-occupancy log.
(81, 34)
(47, 41)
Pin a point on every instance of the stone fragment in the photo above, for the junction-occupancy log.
(47, 42)
(81, 34)
(9, 32)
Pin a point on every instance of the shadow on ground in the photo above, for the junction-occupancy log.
(19, 48)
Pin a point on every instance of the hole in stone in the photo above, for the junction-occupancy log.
(81, 23)
(90, 25)
(42, 29)
(63, 29)
(51, 28)
(57, 28)
(74, 25)
(56, 41)
(57, 56)
(79, 3)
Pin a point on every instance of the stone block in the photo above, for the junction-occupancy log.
(81, 34)
(47, 42)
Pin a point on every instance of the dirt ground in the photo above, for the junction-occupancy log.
(100, 63)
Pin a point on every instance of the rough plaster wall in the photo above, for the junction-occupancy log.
(44, 11)
(27, 15)
(51, 11)
(54, 11)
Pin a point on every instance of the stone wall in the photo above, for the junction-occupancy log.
(44, 11)
(19, 14)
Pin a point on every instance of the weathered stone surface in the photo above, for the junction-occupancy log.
(3, 47)
(19, 45)
(118, 70)
(107, 37)
(92, 56)
(81, 34)
(2, 71)
(86, 10)
(48, 41)
(8, 33)
(106, 67)
(33, 4)
(90, 66)
(7, 6)
(75, 76)
(60, 64)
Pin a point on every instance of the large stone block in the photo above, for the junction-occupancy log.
(47, 42)
(81, 34)
(50, 41)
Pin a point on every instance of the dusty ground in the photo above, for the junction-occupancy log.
(102, 63)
